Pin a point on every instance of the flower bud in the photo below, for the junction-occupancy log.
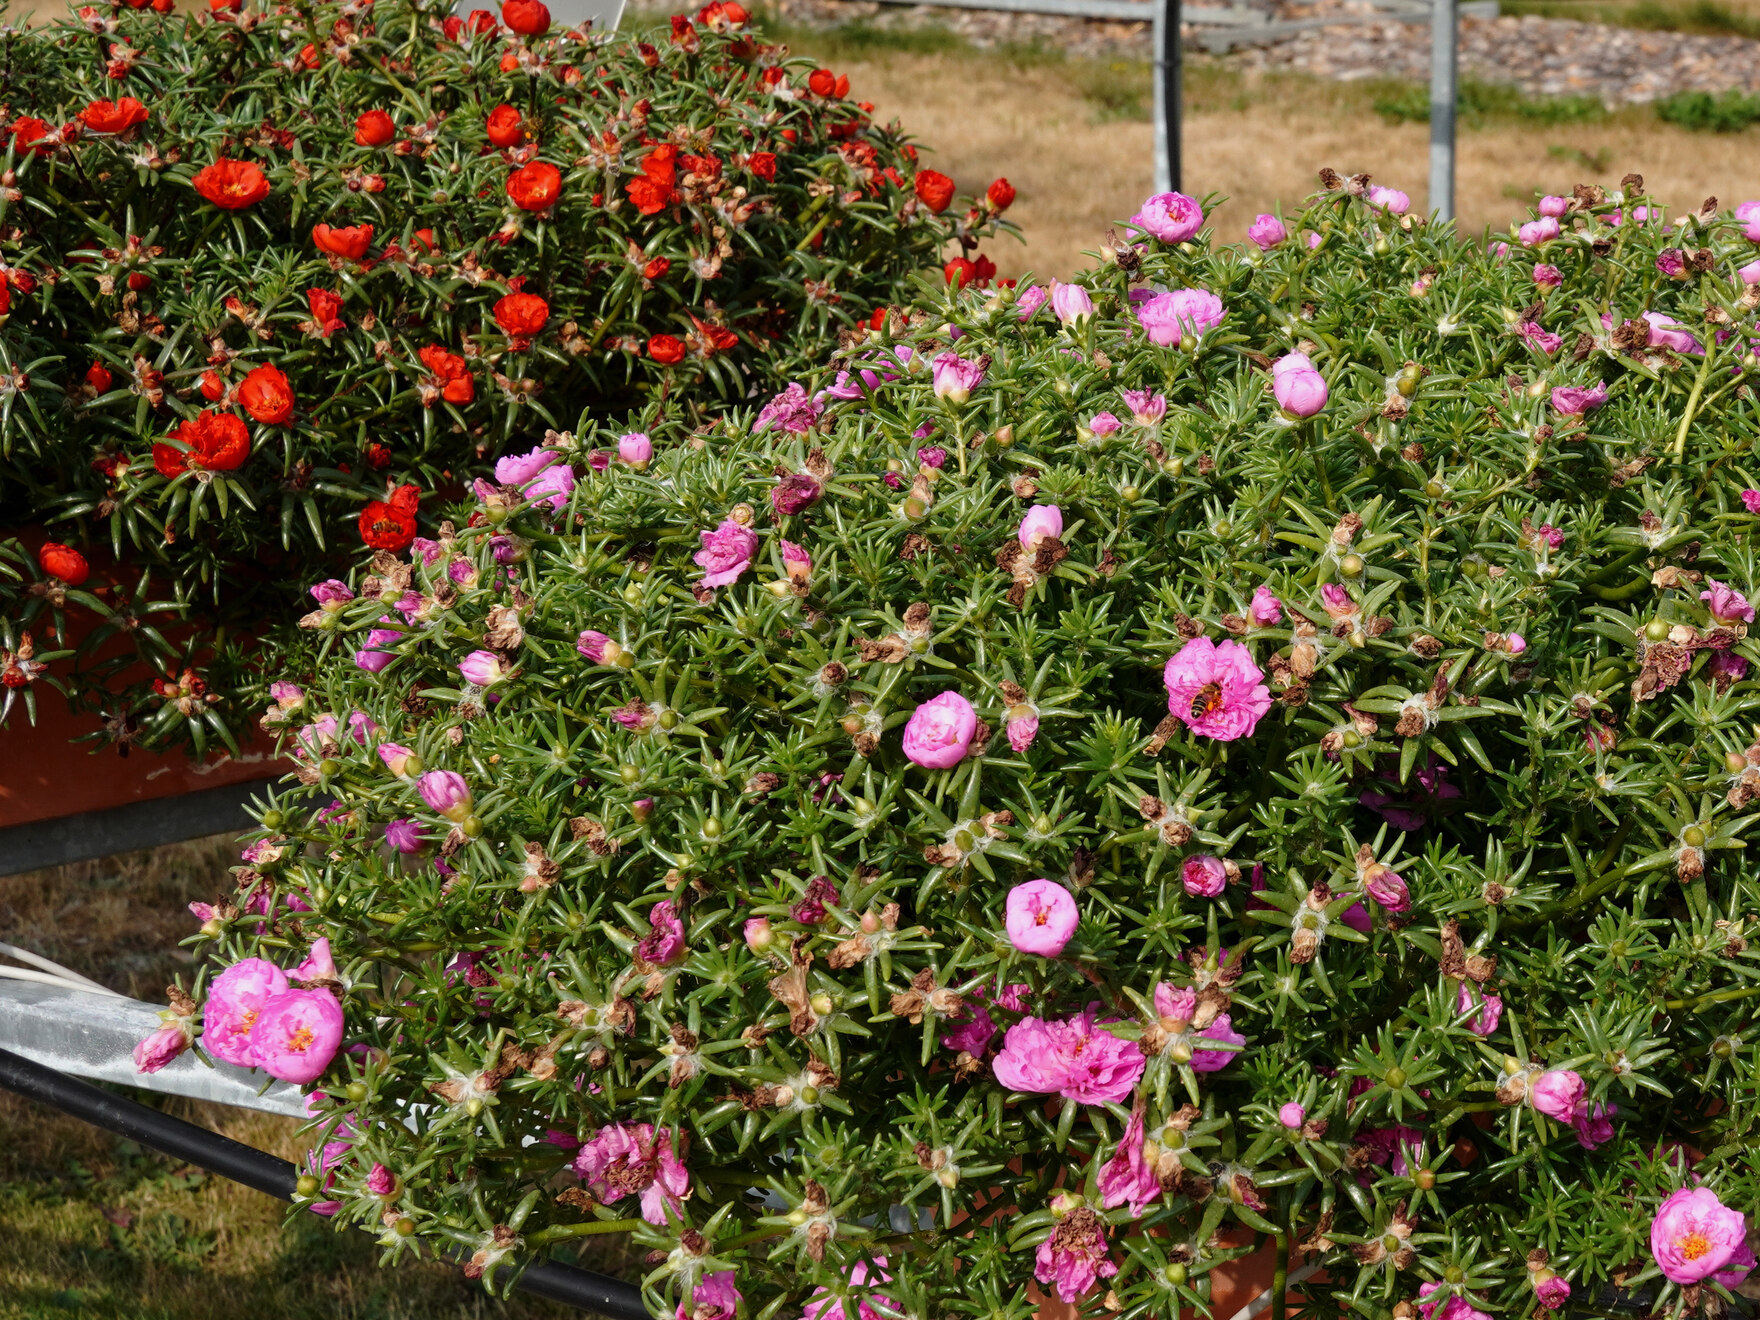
(758, 934)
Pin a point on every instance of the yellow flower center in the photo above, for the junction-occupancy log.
(246, 1021)
(301, 1040)
(1694, 1245)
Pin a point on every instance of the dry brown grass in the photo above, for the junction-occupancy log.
(1257, 141)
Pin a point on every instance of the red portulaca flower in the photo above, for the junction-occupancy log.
(374, 129)
(521, 315)
(535, 187)
(505, 127)
(655, 188)
(529, 18)
(116, 116)
(351, 241)
(217, 442)
(266, 395)
(232, 185)
(64, 562)
(934, 190)
(391, 524)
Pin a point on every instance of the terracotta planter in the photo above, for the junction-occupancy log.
(48, 776)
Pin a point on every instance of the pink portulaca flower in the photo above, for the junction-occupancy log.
(1030, 301)
(1555, 207)
(1536, 232)
(1541, 338)
(296, 1034)
(1548, 276)
(714, 1298)
(1391, 200)
(1748, 215)
(636, 449)
(1071, 303)
(1550, 1290)
(1266, 232)
(371, 657)
(1075, 1257)
(405, 836)
(398, 758)
(727, 552)
(1292, 1116)
(1170, 318)
(1594, 1124)
(446, 792)
(796, 562)
(1450, 1307)
(332, 595)
(1388, 888)
(664, 944)
(1728, 606)
(625, 1159)
(1041, 916)
(1103, 424)
(1575, 400)
(827, 1305)
(793, 411)
(1216, 690)
(1265, 610)
(795, 491)
(954, 377)
(1750, 273)
(551, 487)
(939, 733)
(1203, 876)
(599, 648)
(1041, 521)
(517, 469)
(1666, 332)
(1751, 500)
(1170, 216)
(1300, 390)
(235, 1001)
(1147, 407)
(1126, 1178)
(1022, 726)
(1176, 1006)
(482, 668)
(1073, 1058)
(1490, 1008)
(1557, 1093)
(1694, 1235)
(164, 1045)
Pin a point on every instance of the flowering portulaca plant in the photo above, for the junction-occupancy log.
(1254, 747)
(270, 275)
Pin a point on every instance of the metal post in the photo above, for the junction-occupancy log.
(1167, 96)
(1444, 27)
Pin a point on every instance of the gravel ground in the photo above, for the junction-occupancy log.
(1540, 56)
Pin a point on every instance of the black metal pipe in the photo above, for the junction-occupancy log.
(1169, 55)
(270, 1174)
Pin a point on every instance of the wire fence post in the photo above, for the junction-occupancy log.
(1167, 96)
(1444, 29)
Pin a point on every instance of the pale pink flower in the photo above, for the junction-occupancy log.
(1748, 215)
(793, 411)
(373, 659)
(796, 562)
(727, 552)
(483, 668)
(1170, 216)
(1541, 338)
(1536, 232)
(597, 647)
(939, 732)
(1741, 1265)
(1391, 200)
(664, 944)
(633, 1159)
(446, 792)
(1265, 610)
(1203, 876)
(1216, 690)
(1266, 232)
(827, 1305)
(757, 933)
(1071, 303)
(1666, 332)
(1694, 1235)
(1041, 916)
(1554, 206)
(1072, 1058)
(713, 1298)
(1147, 407)
(1103, 424)
(636, 449)
(1728, 606)
(164, 1045)
(1075, 1256)
(1556, 1093)
(1022, 729)
(291, 696)
(1300, 390)
(1490, 1008)
(1575, 400)
(1041, 521)
(1548, 276)
(1126, 1178)
(954, 377)
(1750, 273)
(1292, 1115)
(551, 487)
(1170, 318)
(517, 469)
(1176, 1006)
(235, 1000)
(296, 1034)
(319, 965)
(1030, 301)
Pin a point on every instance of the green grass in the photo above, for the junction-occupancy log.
(1705, 113)
(1703, 17)
(1478, 102)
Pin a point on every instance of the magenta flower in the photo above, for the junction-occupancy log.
(1072, 1058)
(1203, 876)
(405, 836)
(794, 492)
(1556, 1093)
(1300, 390)
(1748, 214)
(727, 552)
(1490, 1008)
(164, 1045)
(1750, 273)
(1216, 690)
(1666, 332)
(1103, 424)
(235, 1000)
(1292, 1115)
(1536, 232)
(1726, 667)
(1451, 1307)
(551, 487)
(1041, 521)
(1170, 216)
(1575, 400)
(446, 792)
(1022, 729)
(1551, 1291)
(1176, 1006)
(1554, 206)
(1751, 500)
(1388, 888)
(1075, 1256)
(296, 1034)
(796, 562)
(793, 411)
(955, 377)
(635, 449)
(598, 648)
(517, 469)
(1694, 1235)
(1041, 917)
(1167, 318)
(1728, 606)
(714, 1298)
(1147, 407)
(1266, 232)
(939, 732)
(1594, 1124)
(482, 668)
(381, 1181)
(1265, 610)
(1030, 301)
(371, 658)
(633, 1159)
(1541, 338)
(1071, 303)
(664, 944)
(933, 456)
(1126, 1178)
(827, 1305)
(1672, 262)
(319, 965)
(1391, 200)
(332, 595)
(1547, 276)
